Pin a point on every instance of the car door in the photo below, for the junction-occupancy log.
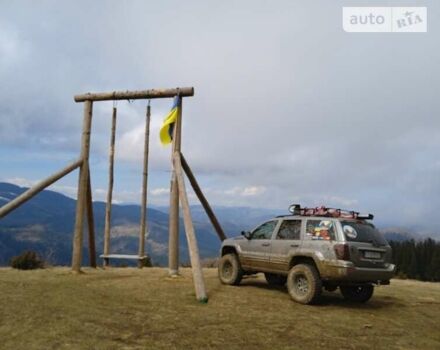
(255, 251)
(284, 243)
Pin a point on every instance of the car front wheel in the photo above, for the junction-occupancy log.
(229, 270)
(304, 284)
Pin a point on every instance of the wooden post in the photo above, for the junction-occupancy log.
(37, 188)
(199, 283)
(108, 207)
(173, 242)
(91, 224)
(144, 226)
(202, 198)
(82, 188)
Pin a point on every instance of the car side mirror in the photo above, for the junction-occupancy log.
(246, 234)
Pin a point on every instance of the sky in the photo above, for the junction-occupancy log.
(288, 107)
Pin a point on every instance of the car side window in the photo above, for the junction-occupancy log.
(289, 229)
(264, 231)
(320, 230)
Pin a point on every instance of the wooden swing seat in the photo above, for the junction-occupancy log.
(123, 256)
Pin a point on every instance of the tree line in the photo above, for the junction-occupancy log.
(417, 259)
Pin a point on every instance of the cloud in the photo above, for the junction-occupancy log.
(13, 49)
(287, 106)
(21, 182)
(246, 192)
(160, 191)
(70, 191)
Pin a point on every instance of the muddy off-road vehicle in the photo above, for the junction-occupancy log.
(311, 249)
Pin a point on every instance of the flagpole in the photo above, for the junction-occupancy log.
(173, 241)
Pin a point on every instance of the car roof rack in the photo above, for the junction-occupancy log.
(296, 209)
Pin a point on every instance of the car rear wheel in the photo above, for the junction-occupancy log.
(229, 270)
(304, 284)
(275, 280)
(359, 294)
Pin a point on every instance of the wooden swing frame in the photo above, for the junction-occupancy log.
(84, 204)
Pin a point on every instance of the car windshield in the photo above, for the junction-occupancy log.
(359, 231)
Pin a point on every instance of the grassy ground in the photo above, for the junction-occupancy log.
(144, 309)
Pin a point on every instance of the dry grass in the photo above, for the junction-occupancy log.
(144, 309)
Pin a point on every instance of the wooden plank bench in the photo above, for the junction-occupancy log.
(123, 256)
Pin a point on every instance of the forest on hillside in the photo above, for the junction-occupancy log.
(417, 259)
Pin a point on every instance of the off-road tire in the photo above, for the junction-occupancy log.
(359, 294)
(229, 270)
(304, 284)
(275, 280)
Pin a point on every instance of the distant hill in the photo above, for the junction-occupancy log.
(45, 224)
(398, 235)
(235, 219)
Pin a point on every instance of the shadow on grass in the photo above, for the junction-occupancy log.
(375, 303)
(253, 281)
(330, 298)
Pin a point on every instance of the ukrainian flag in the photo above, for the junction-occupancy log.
(166, 131)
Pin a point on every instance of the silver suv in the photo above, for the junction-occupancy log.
(311, 249)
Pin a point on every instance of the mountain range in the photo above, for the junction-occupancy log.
(45, 225)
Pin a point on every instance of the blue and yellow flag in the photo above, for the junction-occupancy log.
(166, 131)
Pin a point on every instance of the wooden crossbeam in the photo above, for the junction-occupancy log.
(135, 95)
